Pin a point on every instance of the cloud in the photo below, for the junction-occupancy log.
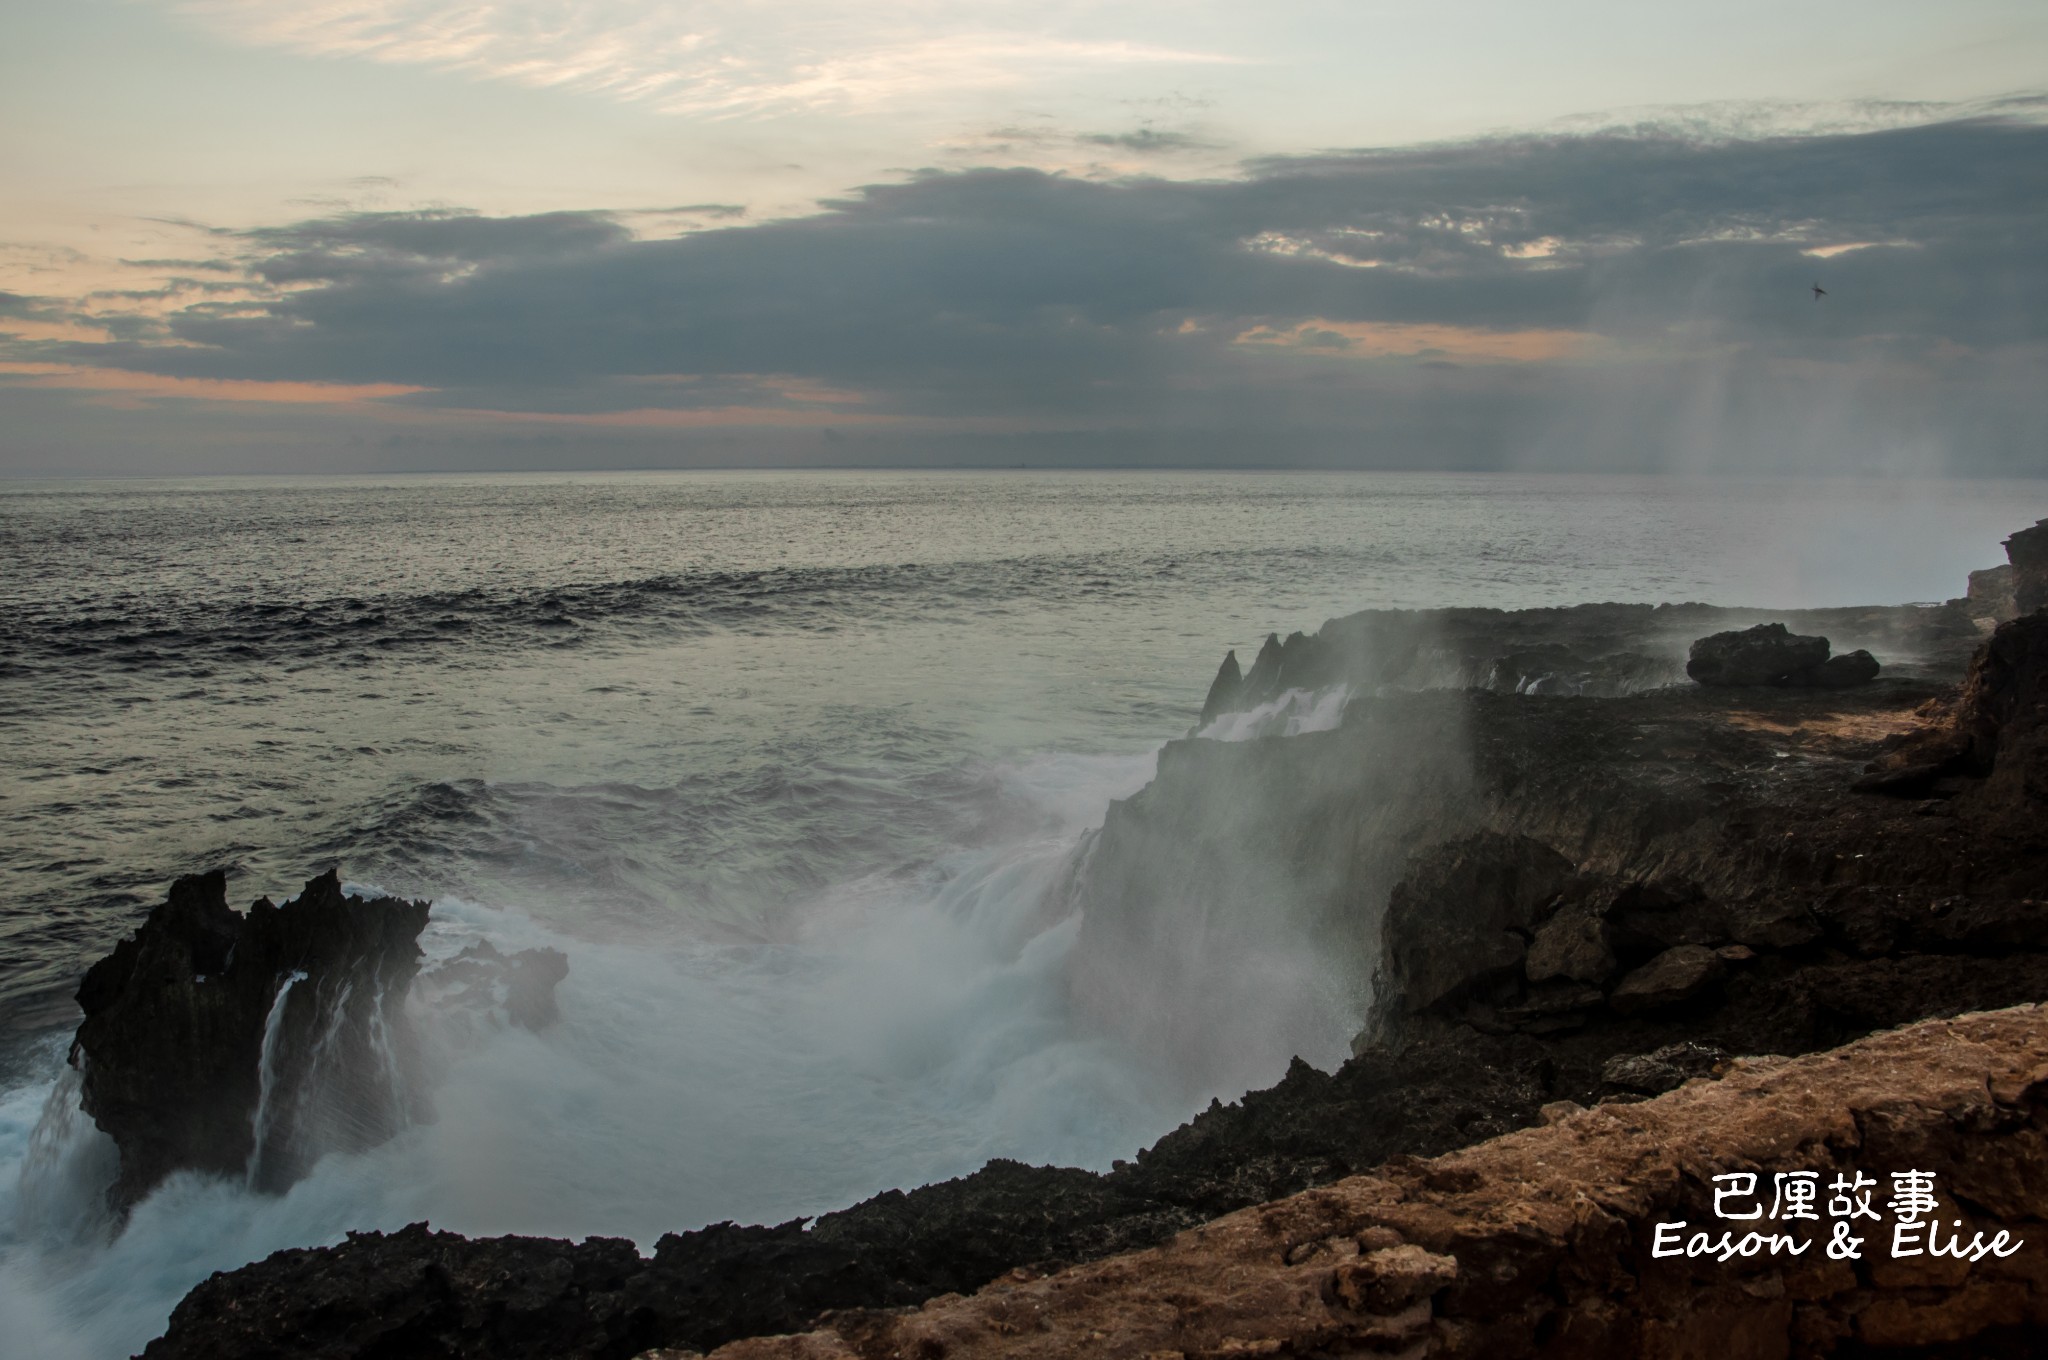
(715, 57)
(1462, 292)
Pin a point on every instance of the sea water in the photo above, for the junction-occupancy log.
(791, 765)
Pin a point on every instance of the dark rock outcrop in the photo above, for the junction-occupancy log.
(1463, 917)
(1770, 654)
(250, 1044)
(1590, 650)
(1679, 975)
(245, 1044)
(1695, 822)
(1223, 690)
(516, 989)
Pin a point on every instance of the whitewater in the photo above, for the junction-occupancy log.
(797, 770)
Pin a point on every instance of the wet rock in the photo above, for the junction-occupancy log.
(1647, 918)
(1223, 690)
(1573, 945)
(518, 989)
(1673, 978)
(1665, 1069)
(245, 1045)
(1768, 654)
(1656, 800)
(1840, 672)
(1772, 922)
(1461, 918)
(1262, 681)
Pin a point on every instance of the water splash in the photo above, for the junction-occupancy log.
(267, 1077)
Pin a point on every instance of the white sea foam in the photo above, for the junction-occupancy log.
(909, 1026)
(1286, 715)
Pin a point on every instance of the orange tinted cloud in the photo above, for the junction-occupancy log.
(1396, 339)
(133, 385)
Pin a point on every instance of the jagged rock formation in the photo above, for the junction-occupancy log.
(1543, 1243)
(211, 1038)
(1600, 650)
(249, 1044)
(516, 989)
(1688, 820)
(1995, 731)
(1223, 690)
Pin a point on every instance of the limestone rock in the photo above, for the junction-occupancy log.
(1990, 594)
(1673, 978)
(2028, 552)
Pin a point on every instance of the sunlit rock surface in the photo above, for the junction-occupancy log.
(1540, 1243)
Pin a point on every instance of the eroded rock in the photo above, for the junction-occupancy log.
(1462, 917)
(1541, 1243)
(1672, 979)
(245, 1044)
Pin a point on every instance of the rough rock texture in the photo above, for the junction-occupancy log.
(2027, 551)
(1990, 595)
(1223, 690)
(1770, 654)
(1687, 818)
(1540, 1243)
(1594, 650)
(179, 1017)
(1501, 885)
(249, 1044)
(519, 987)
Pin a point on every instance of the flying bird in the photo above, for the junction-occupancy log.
(1819, 292)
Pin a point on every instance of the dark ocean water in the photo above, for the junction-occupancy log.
(785, 762)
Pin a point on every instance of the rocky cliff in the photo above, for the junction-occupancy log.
(1548, 1242)
(1542, 900)
(250, 1044)
(238, 1044)
(1585, 900)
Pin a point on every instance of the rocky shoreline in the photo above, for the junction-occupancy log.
(1573, 884)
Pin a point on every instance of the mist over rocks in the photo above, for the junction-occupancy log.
(1552, 901)
(1591, 650)
(1545, 1242)
(1769, 654)
(249, 1044)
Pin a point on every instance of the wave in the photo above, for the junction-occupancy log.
(894, 1030)
(191, 635)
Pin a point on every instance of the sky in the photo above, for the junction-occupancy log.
(377, 235)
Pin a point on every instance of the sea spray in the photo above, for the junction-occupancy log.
(896, 1028)
(267, 1076)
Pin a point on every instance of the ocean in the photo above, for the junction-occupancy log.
(787, 763)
